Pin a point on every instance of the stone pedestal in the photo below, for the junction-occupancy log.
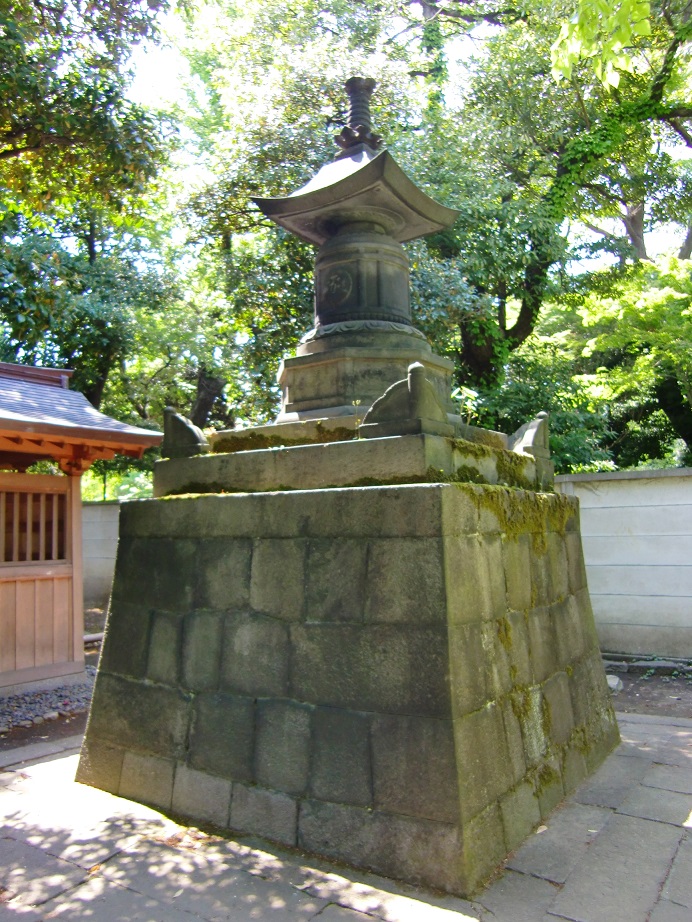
(404, 678)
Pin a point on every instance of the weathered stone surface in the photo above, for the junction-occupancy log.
(519, 647)
(556, 561)
(165, 646)
(200, 796)
(516, 553)
(576, 569)
(416, 850)
(483, 846)
(255, 655)
(549, 786)
(155, 573)
(100, 765)
(265, 813)
(468, 668)
(143, 717)
(559, 708)
(201, 650)
(405, 581)
(222, 573)
(574, 768)
(341, 769)
(222, 735)
(379, 651)
(544, 651)
(277, 584)
(401, 746)
(127, 648)
(471, 567)
(336, 580)
(149, 779)
(378, 668)
(282, 755)
(515, 742)
(482, 759)
(520, 814)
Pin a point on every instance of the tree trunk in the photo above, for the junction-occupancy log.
(209, 389)
(673, 403)
(634, 225)
(685, 250)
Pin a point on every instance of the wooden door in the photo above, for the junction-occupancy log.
(41, 618)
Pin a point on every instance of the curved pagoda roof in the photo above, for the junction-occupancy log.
(366, 186)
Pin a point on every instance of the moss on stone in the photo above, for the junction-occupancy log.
(247, 440)
(511, 470)
(473, 449)
(522, 512)
(504, 634)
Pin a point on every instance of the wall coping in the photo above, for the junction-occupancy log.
(646, 474)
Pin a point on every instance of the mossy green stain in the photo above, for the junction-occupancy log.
(259, 441)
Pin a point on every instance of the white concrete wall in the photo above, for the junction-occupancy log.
(99, 544)
(637, 536)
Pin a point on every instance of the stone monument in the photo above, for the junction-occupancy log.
(363, 630)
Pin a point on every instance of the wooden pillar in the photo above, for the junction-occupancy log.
(74, 525)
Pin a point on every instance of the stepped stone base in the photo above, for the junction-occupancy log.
(406, 679)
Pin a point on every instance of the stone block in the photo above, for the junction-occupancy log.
(417, 850)
(542, 643)
(497, 647)
(282, 757)
(515, 742)
(570, 632)
(341, 768)
(589, 690)
(163, 664)
(405, 581)
(222, 569)
(222, 736)
(576, 569)
(519, 647)
(336, 580)
(541, 579)
(255, 655)
(468, 668)
(126, 648)
(559, 708)
(147, 779)
(277, 583)
(372, 668)
(100, 765)
(528, 706)
(459, 511)
(138, 716)
(516, 552)
(556, 560)
(483, 846)
(588, 623)
(482, 759)
(574, 768)
(201, 797)
(548, 785)
(265, 813)
(202, 632)
(520, 814)
(155, 573)
(471, 567)
(401, 746)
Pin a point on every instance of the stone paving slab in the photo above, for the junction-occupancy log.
(604, 887)
(619, 850)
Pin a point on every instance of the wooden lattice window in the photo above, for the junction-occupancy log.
(33, 526)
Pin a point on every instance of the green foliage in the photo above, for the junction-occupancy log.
(602, 31)
(68, 132)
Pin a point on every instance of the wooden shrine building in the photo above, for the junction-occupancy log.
(41, 609)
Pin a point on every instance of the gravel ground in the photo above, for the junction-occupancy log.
(31, 709)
